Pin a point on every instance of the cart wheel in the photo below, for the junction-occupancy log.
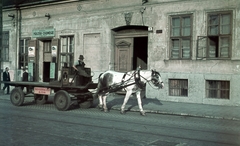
(62, 100)
(17, 96)
(86, 104)
(40, 99)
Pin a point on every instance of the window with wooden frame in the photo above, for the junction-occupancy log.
(180, 38)
(219, 35)
(217, 43)
(218, 89)
(178, 87)
(5, 46)
(23, 53)
(67, 52)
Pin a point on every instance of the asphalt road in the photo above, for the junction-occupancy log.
(42, 125)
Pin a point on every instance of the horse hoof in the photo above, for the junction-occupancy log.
(122, 112)
(142, 113)
(106, 110)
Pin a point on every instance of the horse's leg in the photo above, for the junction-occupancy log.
(104, 98)
(138, 93)
(129, 92)
(100, 105)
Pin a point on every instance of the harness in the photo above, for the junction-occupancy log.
(137, 79)
(124, 83)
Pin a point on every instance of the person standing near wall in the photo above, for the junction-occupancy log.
(25, 78)
(25, 75)
(6, 77)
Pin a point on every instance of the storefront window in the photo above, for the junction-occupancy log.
(67, 52)
(23, 53)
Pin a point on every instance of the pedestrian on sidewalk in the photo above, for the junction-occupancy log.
(25, 78)
(6, 77)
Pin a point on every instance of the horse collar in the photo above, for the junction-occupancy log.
(138, 79)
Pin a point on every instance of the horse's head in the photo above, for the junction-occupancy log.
(156, 79)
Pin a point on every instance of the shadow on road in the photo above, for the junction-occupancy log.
(132, 102)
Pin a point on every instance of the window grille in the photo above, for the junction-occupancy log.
(217, 89)
(178, 87)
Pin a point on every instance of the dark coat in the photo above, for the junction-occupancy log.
(81, 69)
(6, 76)
(81, 64)
(25, 76)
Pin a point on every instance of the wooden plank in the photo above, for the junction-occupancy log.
(49, 85)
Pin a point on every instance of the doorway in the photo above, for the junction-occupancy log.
(46, 71)
(47, 59)
(131, 48)
(140, 52)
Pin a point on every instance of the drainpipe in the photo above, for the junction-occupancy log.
(18, 35)
(1, 70)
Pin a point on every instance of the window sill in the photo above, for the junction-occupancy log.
(211, 98)
(178, 96)
(213, 58)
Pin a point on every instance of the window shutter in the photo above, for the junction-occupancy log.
(33, 60)
(201, 47)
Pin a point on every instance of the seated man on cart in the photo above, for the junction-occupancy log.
(79, 66)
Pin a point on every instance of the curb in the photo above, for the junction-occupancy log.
(181, 114)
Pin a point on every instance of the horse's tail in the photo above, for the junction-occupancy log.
(99, 76)
(103, 85)
(99, 84)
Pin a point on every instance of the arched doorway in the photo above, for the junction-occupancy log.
(131, 47)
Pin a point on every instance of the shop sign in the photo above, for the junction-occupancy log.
(39, 33)
(54, 51)
(42, 90)
(31, 51)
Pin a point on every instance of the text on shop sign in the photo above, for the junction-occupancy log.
(43, 33)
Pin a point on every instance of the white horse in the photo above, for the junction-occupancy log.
(132, 82)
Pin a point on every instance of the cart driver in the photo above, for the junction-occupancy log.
(79, 66)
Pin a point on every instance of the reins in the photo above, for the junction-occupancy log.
(138, 79)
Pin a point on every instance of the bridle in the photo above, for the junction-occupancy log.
(155, 79)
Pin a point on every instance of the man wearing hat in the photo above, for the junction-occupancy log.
(79, 67)
(6, 77)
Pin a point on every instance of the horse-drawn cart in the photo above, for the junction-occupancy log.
(66, 91)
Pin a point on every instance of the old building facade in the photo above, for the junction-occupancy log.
(195, 45)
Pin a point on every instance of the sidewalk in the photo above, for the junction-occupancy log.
(114, 102)
(177, 108)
